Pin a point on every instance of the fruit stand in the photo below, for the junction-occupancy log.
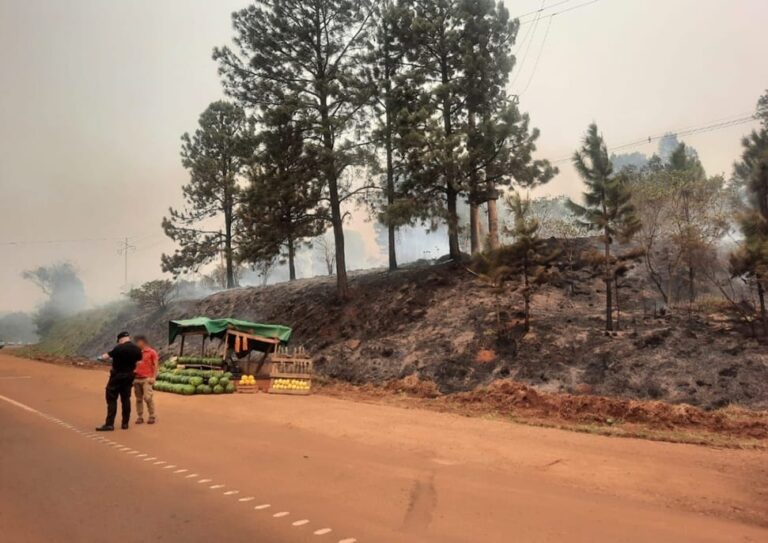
(278, 369)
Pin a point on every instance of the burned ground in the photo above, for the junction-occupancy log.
(444, 325)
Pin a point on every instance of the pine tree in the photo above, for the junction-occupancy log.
(606, 208)
(529, 251)
(281, 206)
(751, 172)
(435, 137)
(308, 51)
(214, 156)
(392, 93)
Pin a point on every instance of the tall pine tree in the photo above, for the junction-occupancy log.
(214, 156)
(309, 51)
(281, 207)
(607, 207)
(751, 172)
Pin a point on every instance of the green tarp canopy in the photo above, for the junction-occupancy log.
(218, 328)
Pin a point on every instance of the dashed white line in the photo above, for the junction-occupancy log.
(169, 466)
(216, 487)
(181, 471)
(248, 499)
(350, 540)
(133, 452)
(160, 462)
(231, 492)
(281, 514)
(323, 531)
(201, 481)
(300, 522)
(264, 506)
(150, 458)
(192, 475)
(142, 455)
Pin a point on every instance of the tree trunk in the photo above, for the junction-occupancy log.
(228, 257)
(493, 222)
(691, 288)
(291, 260)
(453, 224)
(474, 206)
(391, 230)
(474, 227)
(337, 219)
(608, 285)
(451, 193)
(618, 306)
(761, 296)
(526, 297)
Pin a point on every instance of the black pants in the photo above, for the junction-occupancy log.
(119, 384)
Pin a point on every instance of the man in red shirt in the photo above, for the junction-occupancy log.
(144, 380)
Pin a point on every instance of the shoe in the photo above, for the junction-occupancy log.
(140, 421)
(151, 420)
(106, 428)
(124, 426)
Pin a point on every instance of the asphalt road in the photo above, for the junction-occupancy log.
(294, 469)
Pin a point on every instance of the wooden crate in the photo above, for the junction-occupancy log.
(246, 389)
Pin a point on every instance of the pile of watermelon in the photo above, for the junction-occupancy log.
(192, 381)
(199, 361)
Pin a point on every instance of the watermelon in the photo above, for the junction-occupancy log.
(196, 381)
(230, 388)
(218, 389)
(200, 389)
(207, 389)
(228, 375)
(213, 381)
(224, 381)
(188, 390)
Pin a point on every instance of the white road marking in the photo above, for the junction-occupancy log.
(323, 531)
(281, 514)
(260, 507)
(142, 455)
(150, 459)
(201, 481)
(160, 462)
(19, 405)
(300, 522)
(181, 471)
(232, 492)
(248, 499)
(191, 475)
(216, 487)
(133, 452)
(350, 540)
(169, 466)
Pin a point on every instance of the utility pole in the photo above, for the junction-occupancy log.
(125, 248)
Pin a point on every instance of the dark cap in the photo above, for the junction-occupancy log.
(121, 335)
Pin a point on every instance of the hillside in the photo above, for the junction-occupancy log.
(439, 323)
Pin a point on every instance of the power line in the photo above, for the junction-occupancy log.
(538, 57)
(718, 125)
(527, 45)
(534, 12)
(566, 10)
(54, 241)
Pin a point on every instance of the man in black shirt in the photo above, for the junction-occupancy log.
(124, 357)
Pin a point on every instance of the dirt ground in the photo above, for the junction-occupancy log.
(510, 400)
(370, 472)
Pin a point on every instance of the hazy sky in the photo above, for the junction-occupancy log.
(94, 95)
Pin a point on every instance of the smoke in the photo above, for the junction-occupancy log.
(64, 289)
(18, 328)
